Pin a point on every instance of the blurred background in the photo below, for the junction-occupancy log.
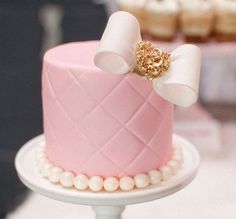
(29, 27)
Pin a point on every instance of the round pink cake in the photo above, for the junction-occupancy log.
(97, 123)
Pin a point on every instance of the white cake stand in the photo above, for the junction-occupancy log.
(106, 205)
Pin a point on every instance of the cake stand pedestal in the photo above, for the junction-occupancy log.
(105, 205)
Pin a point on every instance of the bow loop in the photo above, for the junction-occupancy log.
(180, 83)
(116, 51)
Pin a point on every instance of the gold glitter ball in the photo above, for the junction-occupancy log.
(151, 61)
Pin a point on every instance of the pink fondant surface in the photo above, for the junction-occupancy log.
(99, 123)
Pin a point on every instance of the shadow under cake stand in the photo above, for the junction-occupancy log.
(106, 205)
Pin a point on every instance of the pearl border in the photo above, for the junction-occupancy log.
(81, 182)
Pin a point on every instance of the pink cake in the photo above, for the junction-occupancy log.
(101, 124)
(108, 110)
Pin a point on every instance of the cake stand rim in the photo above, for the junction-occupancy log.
(38, 184)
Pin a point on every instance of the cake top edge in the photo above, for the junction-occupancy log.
(73, 55)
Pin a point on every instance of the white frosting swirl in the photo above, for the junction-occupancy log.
(226, 5)
(132, 3)
(197, 5)
(163, 6)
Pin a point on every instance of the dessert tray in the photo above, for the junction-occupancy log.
(106, 205)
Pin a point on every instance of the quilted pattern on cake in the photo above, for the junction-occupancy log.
(91, 136)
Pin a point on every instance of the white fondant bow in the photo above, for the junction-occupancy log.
(117, 54)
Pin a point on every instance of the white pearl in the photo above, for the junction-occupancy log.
(46, 168)
(126, 183)
(81, 182)
(174, 166)
(155, 177)
(96, 183)
(177, 153)
(39, 150)
(111, 184)
(177, 147)
(177, 158)
(141, 180)
(55, 174)
(67, 179)
(41, 163)
(40, 155)
(178, 150)
(165, 173)
(42, 159)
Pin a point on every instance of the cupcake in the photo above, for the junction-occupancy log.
(197, 19)
(135, 7)
(225, 26)
(162, 18)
